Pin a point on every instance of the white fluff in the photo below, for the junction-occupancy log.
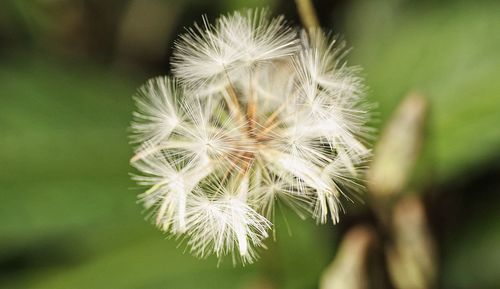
(259, 116)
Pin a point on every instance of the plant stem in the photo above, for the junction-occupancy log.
(307, 14)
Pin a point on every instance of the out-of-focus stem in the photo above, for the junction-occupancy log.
(232, 102)
(411, 255)
(307, 14)
(349, 269)
(398, 148)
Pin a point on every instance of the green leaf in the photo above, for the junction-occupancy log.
(449, 53)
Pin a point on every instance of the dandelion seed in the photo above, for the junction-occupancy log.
(207, 54)
(225, 223)
(260, 115)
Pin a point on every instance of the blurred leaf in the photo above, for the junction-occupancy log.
(450, 53)
(231, 5)
(61, 128)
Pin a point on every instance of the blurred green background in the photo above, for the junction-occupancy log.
(68, 69)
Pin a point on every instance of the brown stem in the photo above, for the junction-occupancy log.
(233, 103)
(307, 14)
(251, 107)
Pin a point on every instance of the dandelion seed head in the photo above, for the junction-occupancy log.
(207, 54)
(260, 116)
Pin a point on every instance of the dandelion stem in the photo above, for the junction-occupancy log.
(251, 106)
(234, 103)
(307, 14)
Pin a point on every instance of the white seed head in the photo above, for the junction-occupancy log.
(261, 116)
(223, 224)
(208, 54)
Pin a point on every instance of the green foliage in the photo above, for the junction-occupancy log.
(230, 5)
(449, 53)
